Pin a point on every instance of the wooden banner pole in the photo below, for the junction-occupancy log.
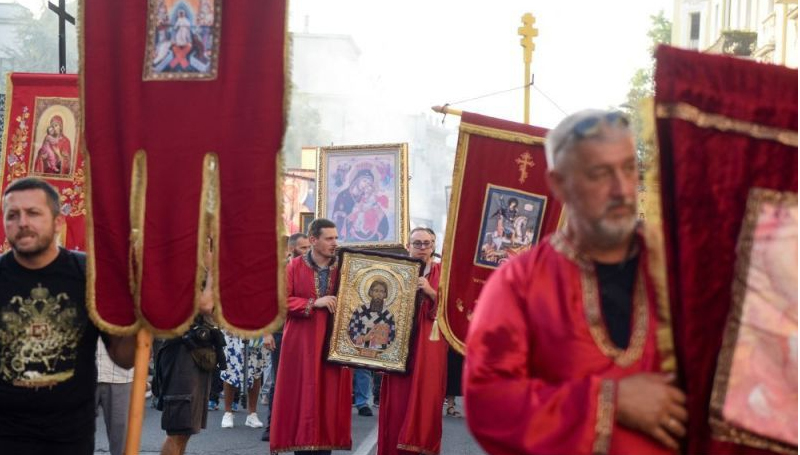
(144, 344)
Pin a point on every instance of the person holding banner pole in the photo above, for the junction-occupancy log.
(568, 349)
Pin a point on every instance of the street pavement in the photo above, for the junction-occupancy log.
(243, 440)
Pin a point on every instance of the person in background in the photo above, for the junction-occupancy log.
(114, 396)
(410, 412)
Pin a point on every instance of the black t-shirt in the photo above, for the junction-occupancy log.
(48, 374)
(616, 298)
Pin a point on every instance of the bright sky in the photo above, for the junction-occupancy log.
(426, 52)
(434, 52)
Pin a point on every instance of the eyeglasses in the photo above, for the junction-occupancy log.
(422, 245)
(590, 126)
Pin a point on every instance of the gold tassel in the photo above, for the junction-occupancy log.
(435, 330)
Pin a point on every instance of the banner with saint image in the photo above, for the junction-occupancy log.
(500, 206)
(42, 139)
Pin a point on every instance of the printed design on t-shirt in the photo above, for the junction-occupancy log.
(39, 336)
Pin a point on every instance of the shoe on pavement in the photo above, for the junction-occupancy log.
(365, 411)
(252, 421)
(265, 434)
(227, 420)
(213, 405)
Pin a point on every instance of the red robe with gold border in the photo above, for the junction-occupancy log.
(312, 397)
(410, 414)
(540, 370)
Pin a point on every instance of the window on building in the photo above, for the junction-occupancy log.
(694, 30)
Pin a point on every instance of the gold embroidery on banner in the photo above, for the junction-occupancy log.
(19, 142)
(416, 449)
(689, 113)
(591, 306)
(73, 197)
(604, 424)
(721, 429)
(525, 161)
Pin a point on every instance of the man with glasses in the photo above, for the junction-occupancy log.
(410, 415)
(562, 352)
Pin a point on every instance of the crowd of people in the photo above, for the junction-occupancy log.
(521, 394)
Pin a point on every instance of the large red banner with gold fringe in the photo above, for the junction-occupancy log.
(727, 131)
(500, 207)
(42, 139)
(184, 108)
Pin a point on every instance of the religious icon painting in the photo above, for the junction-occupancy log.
(55, 138)
(305, 221)
(182, 39)
(364, 190)
(755, 386)
(512, 222)
(376, 302)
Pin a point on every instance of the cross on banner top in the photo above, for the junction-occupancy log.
(528, 32)
(63, 16)
(525, 161)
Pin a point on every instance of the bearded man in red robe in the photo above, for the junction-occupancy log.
(410, 414)
(562, 354)
(312, 397)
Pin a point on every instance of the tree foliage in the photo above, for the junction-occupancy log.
(642, 82)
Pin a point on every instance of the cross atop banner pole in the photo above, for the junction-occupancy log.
(527, 32)
(63, 16)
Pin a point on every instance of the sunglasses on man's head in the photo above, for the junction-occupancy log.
(590, 126)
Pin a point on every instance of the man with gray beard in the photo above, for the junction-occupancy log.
(562, 352)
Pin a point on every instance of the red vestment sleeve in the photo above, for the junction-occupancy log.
(296, 307)
(511, 407)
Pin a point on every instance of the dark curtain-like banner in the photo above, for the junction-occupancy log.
(727, 131)
(42, 139)
(184, 103)
(500, 207)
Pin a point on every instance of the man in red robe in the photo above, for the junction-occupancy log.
(410, 416)
(562, 354)
(312, 397)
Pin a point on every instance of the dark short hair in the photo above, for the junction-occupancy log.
(292, 242)
(35, 183)
(423, 229)
(316, 227)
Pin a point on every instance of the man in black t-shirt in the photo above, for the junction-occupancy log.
(48, 374)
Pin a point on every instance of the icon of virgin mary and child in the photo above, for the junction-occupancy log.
(358, 210)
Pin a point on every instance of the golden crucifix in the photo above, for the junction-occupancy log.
(528, 32)
(525, 161)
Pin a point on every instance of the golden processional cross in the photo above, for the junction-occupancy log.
(528, 32)
(525, 161)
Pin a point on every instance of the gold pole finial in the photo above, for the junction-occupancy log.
(527, 32)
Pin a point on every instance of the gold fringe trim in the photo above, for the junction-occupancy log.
(416, 449)
(309, 448)
(462, 149)
(657, 266)
(604, 425)
(691, 114)
(136, 207)
(721, 431)
(208, 230)
(91, 263)
(504, 135)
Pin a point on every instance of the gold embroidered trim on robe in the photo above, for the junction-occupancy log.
(604, 424)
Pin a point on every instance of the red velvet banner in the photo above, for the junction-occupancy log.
(42, 139)
(500, 206)
(184, 104)
(725, 126)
